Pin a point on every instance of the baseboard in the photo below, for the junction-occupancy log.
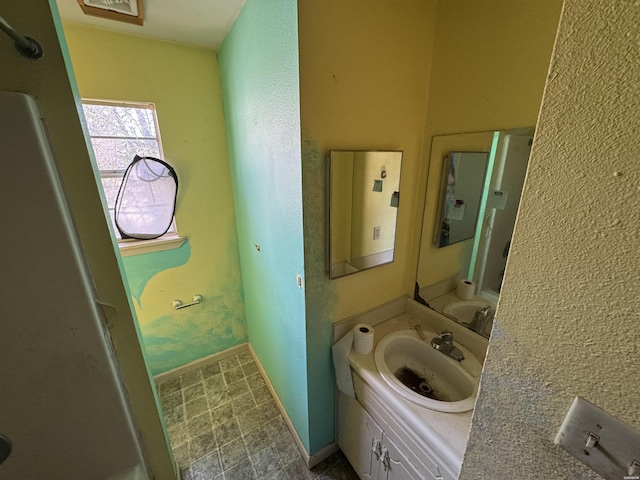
(201, 362)
(321, 455)
(310, 460)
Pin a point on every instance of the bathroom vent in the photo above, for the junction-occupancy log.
(129, 11)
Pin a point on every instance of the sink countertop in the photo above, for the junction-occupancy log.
(446, 433)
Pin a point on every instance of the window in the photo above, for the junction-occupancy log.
(119, 131)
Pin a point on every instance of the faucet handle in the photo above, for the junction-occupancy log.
(446, 336)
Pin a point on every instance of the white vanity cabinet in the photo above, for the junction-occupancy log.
(369, 449)
(384, 435)
(379, 444)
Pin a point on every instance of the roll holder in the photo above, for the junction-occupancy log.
(178, 305)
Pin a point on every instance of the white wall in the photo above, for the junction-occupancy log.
(48, 81)
(62, 398)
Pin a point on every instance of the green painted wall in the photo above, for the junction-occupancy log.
(184, 84)
(260, 82)
(321, 299)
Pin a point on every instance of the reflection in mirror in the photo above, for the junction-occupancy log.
(482, 257)
(364, 194)
(463, 178)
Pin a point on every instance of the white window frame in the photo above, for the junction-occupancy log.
(131, 246)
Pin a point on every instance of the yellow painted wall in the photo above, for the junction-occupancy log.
(567, 319)
(373, 209)
(364, 73)
(490, 63)
(184, 84)
(391, 76)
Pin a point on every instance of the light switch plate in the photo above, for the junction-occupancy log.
(615, 445)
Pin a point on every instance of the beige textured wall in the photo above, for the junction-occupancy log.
(568, 315)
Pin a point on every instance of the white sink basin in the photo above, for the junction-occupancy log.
(425, 376)
(464, 311)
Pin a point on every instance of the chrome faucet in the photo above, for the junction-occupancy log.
(482, 317)
(444, 343)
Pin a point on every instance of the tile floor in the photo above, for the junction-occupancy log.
(224, 425)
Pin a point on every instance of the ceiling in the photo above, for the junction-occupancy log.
(203, 23)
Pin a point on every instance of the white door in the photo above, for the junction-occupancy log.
(62, 404)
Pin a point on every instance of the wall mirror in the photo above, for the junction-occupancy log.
(461, 188)
(480, 257)
(364, 196)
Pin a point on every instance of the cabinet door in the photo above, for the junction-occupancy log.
(359, 438)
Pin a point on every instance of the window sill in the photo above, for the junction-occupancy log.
(139, 247)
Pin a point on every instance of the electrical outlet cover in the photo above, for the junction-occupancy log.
(615, 445)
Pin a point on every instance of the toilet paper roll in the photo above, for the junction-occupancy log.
(465, 289)
(362, 338)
